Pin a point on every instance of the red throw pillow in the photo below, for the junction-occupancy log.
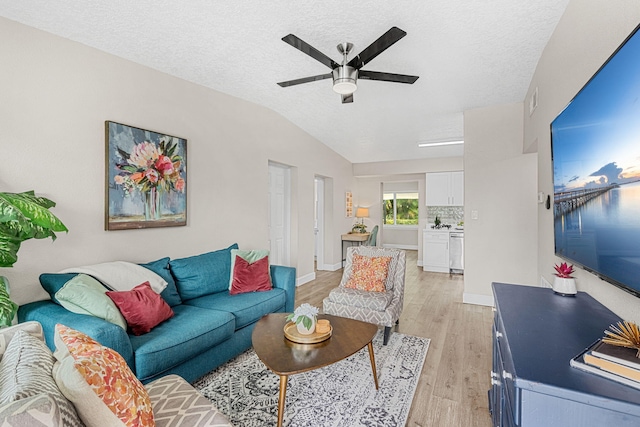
(250, 277)
(142, 308)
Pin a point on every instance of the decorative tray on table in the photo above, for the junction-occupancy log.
(292, 334)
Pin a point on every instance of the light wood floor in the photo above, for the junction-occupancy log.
(455, 378)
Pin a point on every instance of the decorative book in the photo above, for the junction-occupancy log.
(622, 355)
(580, 362)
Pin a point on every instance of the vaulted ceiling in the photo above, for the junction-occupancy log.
(468, 54)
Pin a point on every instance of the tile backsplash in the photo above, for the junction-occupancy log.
(447, 214)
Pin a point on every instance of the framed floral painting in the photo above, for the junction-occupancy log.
(146, 178)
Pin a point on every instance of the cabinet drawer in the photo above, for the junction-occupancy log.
(438, 236)
(506, 374)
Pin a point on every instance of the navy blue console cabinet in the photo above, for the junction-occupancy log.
(535, 334)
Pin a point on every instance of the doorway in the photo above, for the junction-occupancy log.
(279, 214)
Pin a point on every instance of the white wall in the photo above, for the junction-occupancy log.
(500, 185)
(588, 33)
(56, 95)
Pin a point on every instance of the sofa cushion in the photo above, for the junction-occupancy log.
(53, 282)
(373, 251)
(202, 274)
(26, 370)
(161, 268)
(246, 308)
(142, 308)
(368, 273)
(378, 301)
(248, 255)
(32, 328)
(191, 331)
(250, 276)
(85, 295)
(176, 403)
(35, 411)
(99, 382)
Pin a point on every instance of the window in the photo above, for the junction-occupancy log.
(400, 208)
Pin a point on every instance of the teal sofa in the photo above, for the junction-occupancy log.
(209, 326)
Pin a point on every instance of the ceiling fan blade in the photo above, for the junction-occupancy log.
(387, 77)
(305, 80)
(347, 99)
(305, 47)
(377, 47)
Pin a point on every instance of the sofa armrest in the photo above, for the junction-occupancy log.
(285, 278)
(49, 313)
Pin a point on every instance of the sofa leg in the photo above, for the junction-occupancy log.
(387, 333)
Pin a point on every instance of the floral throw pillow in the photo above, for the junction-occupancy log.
(99, 383)
(369, 273)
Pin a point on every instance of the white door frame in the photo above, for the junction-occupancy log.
(319, 232)
(283, 188)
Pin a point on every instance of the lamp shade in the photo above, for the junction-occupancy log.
(362, 213)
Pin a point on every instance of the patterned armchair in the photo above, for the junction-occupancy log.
(381, 308)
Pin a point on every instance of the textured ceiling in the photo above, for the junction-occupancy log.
(468, 54)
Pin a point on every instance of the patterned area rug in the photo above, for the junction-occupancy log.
(342, 394)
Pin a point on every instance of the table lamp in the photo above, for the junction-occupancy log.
(362, 213)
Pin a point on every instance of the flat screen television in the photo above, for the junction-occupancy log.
(595, 144)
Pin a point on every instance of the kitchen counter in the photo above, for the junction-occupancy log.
(441, 253)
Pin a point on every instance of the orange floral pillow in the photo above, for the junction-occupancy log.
(368, 273)
(99, 383)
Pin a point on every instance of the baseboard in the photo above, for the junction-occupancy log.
(420, 263)
(477, 299)
(330, 267)
(406, 247)
(305, 279)
(333, 267)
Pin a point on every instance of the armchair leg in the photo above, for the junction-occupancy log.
(387, 333)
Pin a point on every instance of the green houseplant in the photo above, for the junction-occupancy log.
(23, 216)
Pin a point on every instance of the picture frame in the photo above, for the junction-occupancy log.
(349, 204)
(145, 178)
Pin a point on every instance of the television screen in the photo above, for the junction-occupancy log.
(596, 172)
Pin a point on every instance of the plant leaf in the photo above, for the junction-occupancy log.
(24, 216)
(30, 206)
(306, 322)
(8, 250)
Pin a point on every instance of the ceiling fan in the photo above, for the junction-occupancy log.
(345, 76)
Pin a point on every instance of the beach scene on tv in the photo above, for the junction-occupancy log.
(596, 172)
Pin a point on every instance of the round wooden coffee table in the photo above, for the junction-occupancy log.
(285, 357)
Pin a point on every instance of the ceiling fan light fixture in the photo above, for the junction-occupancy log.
(344, 80)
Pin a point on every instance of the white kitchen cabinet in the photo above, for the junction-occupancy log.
(445, 188)
(435, 251)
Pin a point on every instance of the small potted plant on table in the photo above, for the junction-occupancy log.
(564, 284)
(305, 317)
